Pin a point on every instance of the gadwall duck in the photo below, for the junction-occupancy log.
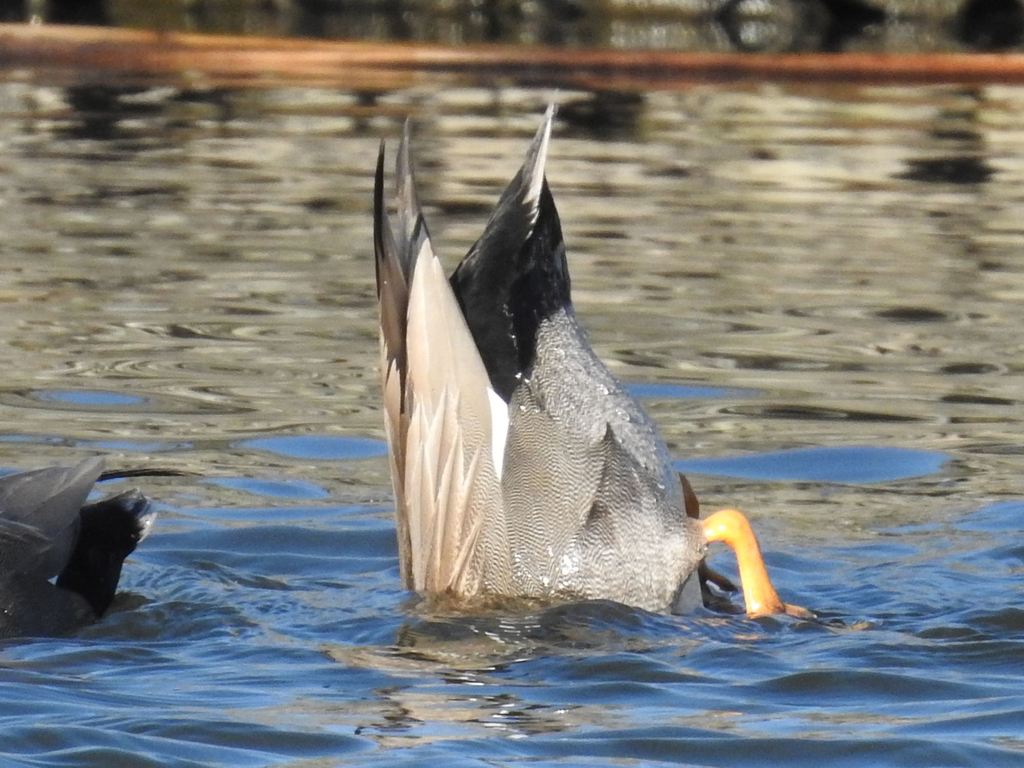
(47, 530)
(520, 466)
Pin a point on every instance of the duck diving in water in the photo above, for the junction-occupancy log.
(520, 466)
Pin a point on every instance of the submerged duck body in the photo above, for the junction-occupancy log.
(521, 467)
(61, 558)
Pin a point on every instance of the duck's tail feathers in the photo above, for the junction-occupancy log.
(396, 259)
(451, 479)
(516, 274)
(438, 409)
(110, 531)
(413, 234)
(393, 269)
(393, 304)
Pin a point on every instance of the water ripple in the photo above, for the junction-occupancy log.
(189, 280)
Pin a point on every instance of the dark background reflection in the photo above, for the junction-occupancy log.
(744, 25)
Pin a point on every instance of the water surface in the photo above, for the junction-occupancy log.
(815, 291)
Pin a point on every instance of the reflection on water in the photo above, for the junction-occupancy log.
(851, 464)
(815, 290)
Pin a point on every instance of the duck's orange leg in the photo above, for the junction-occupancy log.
(731, 527)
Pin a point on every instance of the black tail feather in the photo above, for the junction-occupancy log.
(514, 277)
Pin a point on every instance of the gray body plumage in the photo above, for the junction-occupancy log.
(568, 488)
(593, 508)
(60, 557)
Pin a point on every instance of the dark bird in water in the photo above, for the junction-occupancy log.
(61, 557)
(521, 467)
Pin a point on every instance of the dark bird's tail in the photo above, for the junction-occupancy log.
(110, 531)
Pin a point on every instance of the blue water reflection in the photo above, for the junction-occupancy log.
(845, 464)
(684, 391)
(318, 447)
(89, 397)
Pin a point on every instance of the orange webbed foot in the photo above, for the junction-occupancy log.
(732, 527)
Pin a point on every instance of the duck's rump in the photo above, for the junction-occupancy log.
(565, 490)
(591, 507)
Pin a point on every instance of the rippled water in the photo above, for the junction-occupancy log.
(816, 292)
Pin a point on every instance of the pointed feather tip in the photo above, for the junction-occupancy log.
(383, 237)
(403, 165)
(536, 159)
(378, 214)
(412, 226)
(402, 162)
(378, 177)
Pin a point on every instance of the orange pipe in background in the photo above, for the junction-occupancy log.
(79, 51)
